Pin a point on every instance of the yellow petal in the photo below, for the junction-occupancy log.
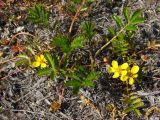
(43, 58)
(124, 66)
(111, 69)
(36, 64)
(37, 58)
(134, 69)
(43, 65)
(131, 81)
(115, 64)
(124, 72)
(116, 75)
(135, 76)
(123, 78)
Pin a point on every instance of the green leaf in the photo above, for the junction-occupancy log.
(77, 1)
(131, 28)
(77, 42)
(75, 84)
(38, 15)
(72, 83)
(30, 50)
(83, 9)
(112, 31)
(88, 29)
(126, 14)
(56, 61)
(76, 89)
(121, 36)
(23, 56)
(135, 15)
(88, 83)
(138, 113)
(22, 62)
(137, 105)
(44, 71)
(62, 42)
(118, 21)
(92, 76)
(50, 60)
(52, 75)
(129, 109)
(134, 101)
(138, 20)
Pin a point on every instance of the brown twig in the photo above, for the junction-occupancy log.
(76, 15)
(21, 33)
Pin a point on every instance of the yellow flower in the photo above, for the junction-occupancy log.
(131, 75)
(118, 70)
(40, 61)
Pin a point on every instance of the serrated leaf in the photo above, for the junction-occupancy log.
(136, 14)
(38, 15)
(126, 14)
(43, 71)
(88, 29)
(118, 21)
(62, 42)
(131, 28)
(112, 31)
(92, 76)
(88, 83)
(121, 36)
(72, 83)
(77, 42)
(137, 21)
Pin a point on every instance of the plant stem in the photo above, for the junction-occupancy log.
(77, 13)
(105, 45)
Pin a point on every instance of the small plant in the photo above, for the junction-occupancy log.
(65, 45)
(25, 59)
(133, 103)
(88, 30)
(38, 15)
(124, 72)
(59, 65)
(81, 77)
(121, 40)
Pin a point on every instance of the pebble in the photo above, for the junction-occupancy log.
(18, 29)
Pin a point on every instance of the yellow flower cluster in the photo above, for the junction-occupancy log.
(124, 72)
(40, 61)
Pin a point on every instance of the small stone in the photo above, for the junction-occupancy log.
(18, 29)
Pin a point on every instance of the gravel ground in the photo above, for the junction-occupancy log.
(23, 96)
